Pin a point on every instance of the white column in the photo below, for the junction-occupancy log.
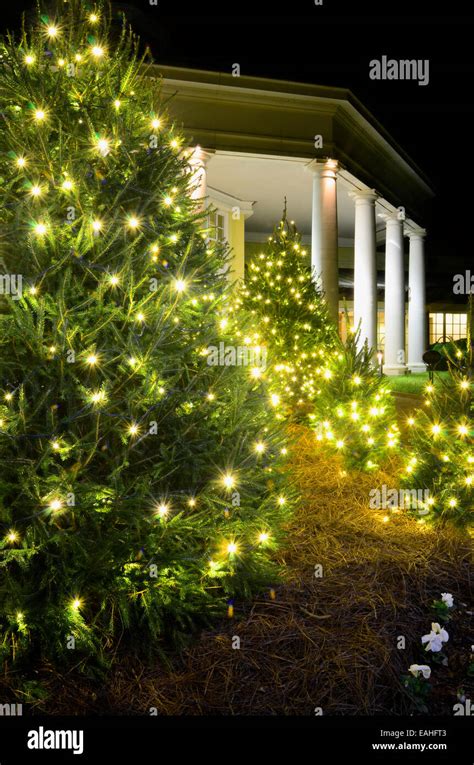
(394, 297)
(365, 267)
(198, 180)
(324, 253)
(417, 341)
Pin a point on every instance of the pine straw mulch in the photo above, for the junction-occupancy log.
(329, 641)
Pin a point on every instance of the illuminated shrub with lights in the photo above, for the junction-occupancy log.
(290, 319)
(439, 460)
(140, 484)
(354, 414)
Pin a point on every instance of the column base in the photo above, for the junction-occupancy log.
(394, 369)
(416, 367)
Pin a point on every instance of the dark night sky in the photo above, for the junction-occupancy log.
(332, 45)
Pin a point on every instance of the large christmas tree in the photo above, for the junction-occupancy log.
(291, 319)
(140, 485)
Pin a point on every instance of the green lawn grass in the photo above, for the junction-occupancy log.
(412, 383)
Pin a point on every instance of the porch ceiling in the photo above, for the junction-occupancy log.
(267, 180)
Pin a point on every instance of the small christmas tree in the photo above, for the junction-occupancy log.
(440, 454)
(291, 319)
(354, 412)
(140, 483)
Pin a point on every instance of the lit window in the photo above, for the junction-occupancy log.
(447, 326)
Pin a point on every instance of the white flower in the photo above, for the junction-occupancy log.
(433, 642)
(435, 639)
(425, 670)
(438, 630)
(447, 598)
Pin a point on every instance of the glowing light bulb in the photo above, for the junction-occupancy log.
(327, 374)
(211, 396)
(357, 380)
(20, 162)
(133, 223)
(435, 429)
(92, 359)
(103, 146)
(192, 502)
(167, 201)
(97, 51)
(174, 143)
(464, 384)
(52, 31)
(263, 537)
(275, 399)
(228, 481)
(98, 396)
(117, 103)
(140, 316)
(339, 444)
(463, 430)
(76, 604)
(231, 548)
(452, 502)
(260, 447)
(114, 280)
(162, 510)
(12, 536)
(40, 229)
(411, 421)
(97, 225)
(56, 446)
(29, 60)
(281, 501)
(93, 18)
(55, 505)
(180, 285)
(35, 191)
(40, 115)
(156, 123)
(133, 429)
(469, 480)
(67, 185)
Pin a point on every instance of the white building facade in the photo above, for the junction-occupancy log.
(357, 199)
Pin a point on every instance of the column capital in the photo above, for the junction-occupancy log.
(416, 232)
(364, 196)
(391, 218)
(326, 168)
